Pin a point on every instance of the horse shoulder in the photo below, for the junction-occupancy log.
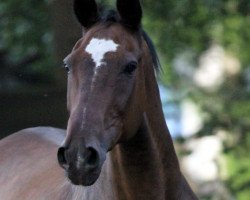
(28, 165)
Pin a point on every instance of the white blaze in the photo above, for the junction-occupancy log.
(97, 48)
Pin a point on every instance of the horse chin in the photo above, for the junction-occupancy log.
(84, 178)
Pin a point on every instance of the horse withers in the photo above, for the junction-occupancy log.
(117, 145)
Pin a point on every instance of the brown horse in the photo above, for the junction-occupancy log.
(117, 144)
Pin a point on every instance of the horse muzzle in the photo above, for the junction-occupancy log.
(82, 165)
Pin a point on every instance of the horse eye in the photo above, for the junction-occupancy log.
(130, 68)
(66, 67)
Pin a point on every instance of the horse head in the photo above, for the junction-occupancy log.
(105, 87)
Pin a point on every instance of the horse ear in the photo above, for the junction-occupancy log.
(130, 12)
(86, 12)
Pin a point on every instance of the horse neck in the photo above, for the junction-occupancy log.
(146, 167)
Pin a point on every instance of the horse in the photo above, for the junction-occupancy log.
(117, 145)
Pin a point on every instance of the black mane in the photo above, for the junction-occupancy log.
(155, 58)
(112, 16)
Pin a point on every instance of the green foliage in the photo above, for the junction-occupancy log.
(239, 169)
(24, 31)
(193, 25)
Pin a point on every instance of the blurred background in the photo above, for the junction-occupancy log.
(204, 48)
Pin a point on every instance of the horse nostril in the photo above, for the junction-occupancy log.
(61, 158)
(92, 158)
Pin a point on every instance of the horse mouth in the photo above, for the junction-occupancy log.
(82, 177)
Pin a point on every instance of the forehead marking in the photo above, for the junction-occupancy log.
(97, 48)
